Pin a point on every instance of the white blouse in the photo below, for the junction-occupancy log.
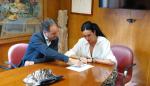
(101, 49)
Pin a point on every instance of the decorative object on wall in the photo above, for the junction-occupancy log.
(14, 9)
(63, 34)
(81, 6)
(130, 20)
(19, 17)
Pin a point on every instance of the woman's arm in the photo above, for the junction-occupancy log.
(104, 61)
(96, 60)
(76, 49)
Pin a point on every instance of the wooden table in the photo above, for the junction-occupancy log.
(91, 77)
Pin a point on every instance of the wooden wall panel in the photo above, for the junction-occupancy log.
(4, 52)
(141, 73)
(113, 22)
(142, 30)
(65, 4)
(52, 8)
(44, 5)
(148, 74)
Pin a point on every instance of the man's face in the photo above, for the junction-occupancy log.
(53, 32)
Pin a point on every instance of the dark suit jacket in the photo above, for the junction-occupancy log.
(38, 51)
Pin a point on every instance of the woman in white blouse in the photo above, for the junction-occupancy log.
(93, 47)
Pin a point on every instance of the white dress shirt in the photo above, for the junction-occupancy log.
(101, 49)
(47, 41)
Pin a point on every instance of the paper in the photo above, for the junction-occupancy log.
(83, 67)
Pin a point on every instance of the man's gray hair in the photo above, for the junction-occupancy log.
(47, 23)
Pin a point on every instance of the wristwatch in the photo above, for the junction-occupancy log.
(89, 60)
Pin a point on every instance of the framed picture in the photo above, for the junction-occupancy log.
(82, 6)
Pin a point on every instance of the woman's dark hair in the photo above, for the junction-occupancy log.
(93, 27)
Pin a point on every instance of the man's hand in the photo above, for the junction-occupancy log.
(27, 63)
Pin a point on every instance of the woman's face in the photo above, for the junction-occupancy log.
(89, 36)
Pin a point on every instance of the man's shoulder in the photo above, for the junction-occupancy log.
(37, 35)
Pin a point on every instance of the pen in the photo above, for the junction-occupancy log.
(83, 60)
(80, 62)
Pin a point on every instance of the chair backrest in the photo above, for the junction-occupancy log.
(16, 52)
(124, 56)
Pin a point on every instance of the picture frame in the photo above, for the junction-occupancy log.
(82, 6)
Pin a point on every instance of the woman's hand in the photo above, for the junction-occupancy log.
(108, 62)
(76, 62)
(83, 60)
(86, 60)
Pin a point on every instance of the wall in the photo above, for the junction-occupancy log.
(51, 8)
(113, 23)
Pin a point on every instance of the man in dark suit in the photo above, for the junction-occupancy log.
(43, 46)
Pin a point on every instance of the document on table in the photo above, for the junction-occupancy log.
(81, 68)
